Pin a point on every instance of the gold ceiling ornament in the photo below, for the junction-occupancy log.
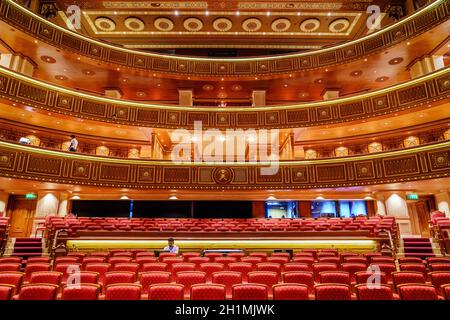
(105, 24)
(222, 24)
(339, 25)
(310, 25)
(134, 24)
(163, 24)
(251, 24)
(193, 24)
(281, 25)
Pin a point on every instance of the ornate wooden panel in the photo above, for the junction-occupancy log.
(415, 94)
(40, 28)
(420, 163)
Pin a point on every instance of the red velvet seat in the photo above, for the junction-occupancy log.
(387, 268)
(249, 291)
(262, 255)
(277, 259)
(67, 259)
(237, 255)
(123, 291)
(84, 291)
(38, 260)
(410, 260)
(268, 278)
(182, 266)
(158, 266)
(269, 266)
(9, 267)
(305, 260)
(290, 291)
(100, 268)
(38, 292)
(12, 278)
(431, 260)
(189, 278)
(67, 268)
(402, 277)
(446, 291)
(253, 260)
(417, 292)
(322, 266)
(213, 255)
(332, 292)
(99, 254)
(123, 254)
(10, 260)
(187, 255)
(300, 277)
(225, 260)
(438, 280)
(418, 267)
(355, 259)
(6, 291)
(352, 268)
(243, 267)
(85, 277)
(208, 291)
(166, 291)
(144, 254)
(362, 277)
(91, 259)
(227, 278)
(33, 267)
(127, 266)
(378, 259)
(374, 292)
(115, 260)
(335, 260)
(146, 279)
(294, 266)
(341, 277)
(115, 277)
(439, 267)
(210, 267)
(163, 255)
(199, 260)
(47, 277)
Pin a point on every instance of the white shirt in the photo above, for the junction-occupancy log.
(25, 140)
(174, 249)
(73, 144)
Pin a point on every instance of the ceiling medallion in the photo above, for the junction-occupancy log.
(48, 59)
(222, 95)
(339, 25)
(223, 175)
(281, 25)
(141, 94)
(208, 87)
(193, 24)
(251, 24)
(222, 24)
(381, 79)
(105, 24)
(310, 25)
(356, 73)
(134, 24)
(163, 24)
(395, 60)
(88, 72)
(236, 87)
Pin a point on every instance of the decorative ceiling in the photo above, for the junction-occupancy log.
(281, 25)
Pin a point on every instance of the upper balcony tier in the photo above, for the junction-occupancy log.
(424, 92)
(376, 60)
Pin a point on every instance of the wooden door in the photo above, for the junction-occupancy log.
(22, 216)
(419, 218)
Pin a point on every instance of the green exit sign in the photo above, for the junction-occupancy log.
(30, 196)
(412, 196)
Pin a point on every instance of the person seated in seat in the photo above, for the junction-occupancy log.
(171, 247)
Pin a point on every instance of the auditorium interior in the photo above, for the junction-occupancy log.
(292, 150)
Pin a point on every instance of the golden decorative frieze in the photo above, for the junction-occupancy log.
(405, 96)
(63, 38)
(419, 163)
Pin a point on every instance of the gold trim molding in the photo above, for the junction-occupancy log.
(37, 164)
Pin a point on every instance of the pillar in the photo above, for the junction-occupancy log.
(380, 207)
(113, 93)
(426, 65)
(63, 204)
(18, 63)
(47, 204)
(259, 98)
(396, 205)
(3, 203)
(185, 98)
(442, 202)
(329, 94)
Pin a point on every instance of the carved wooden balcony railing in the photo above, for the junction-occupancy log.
(416, 93)
(420, 163)
(38, 27)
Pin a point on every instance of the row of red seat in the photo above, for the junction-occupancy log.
(225, 285)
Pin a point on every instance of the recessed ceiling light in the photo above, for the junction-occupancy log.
(268, 13)
(124, 198)
(206, 13)
(271, 198)
(176, 12)
(238, 13)
(173, 198)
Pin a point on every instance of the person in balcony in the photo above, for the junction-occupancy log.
(172, 248)
(73, 144)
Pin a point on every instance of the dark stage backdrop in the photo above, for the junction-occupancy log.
(101, 208)
(161, 209)
(223, 209)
